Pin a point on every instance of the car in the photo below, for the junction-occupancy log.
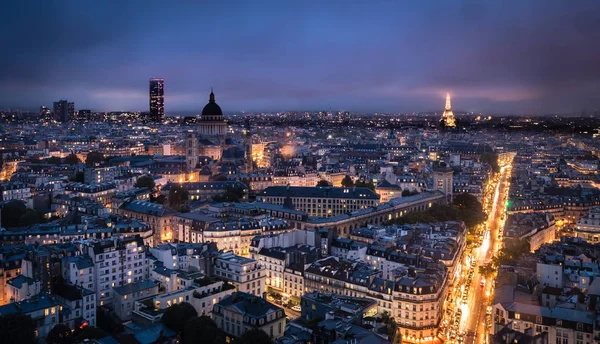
(297, 308)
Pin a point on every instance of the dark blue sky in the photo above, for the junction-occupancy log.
(492, 56)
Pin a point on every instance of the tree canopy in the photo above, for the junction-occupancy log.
(145, 182)
(509, 255)
(347, 181)
(491, 159)
(470, 210)
(177, 196)
(72, 159)
(54, 160)
(176, 316)
(465, 208)
(323, 182)
(94, 158)
(16, 214)
(60, 334)
(220, 178)
(231, 194)
(202, 329)
(254, 336)
(17, 328)
(363, 184)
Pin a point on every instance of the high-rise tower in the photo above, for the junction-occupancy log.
(448, 116)
(63, 111)
(157, 99)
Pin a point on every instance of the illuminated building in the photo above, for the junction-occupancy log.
(45, 114)
(448, 116)
(588, 227)
(320, 201)
(245, 274)
(239, 312)
(156, 215)
(157, 99)
(212, 125)
(117, 262)
(84, 115)
(64, 111)
(201, 190)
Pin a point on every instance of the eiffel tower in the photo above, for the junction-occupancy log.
(448, 116)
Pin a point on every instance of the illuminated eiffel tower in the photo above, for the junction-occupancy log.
(448, 116)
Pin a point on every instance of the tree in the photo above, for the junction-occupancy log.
(17, 328)
(72, 159)
(347, 182)
(108, 321)
(30, 217)
(491, 159)
(145, 182)
(220, 178)
(254, 336)
(323, 182)
(79, 177)
(176, 316)
(54, 160)
(160, 199)
(405, 193)
(11, 213)
(90, 333)
(231, 194)
(60, 334)
(470, 210)
(363, 184)
(202, 330)
(177, 196)
(94, 158)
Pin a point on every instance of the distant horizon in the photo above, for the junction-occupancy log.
(458, 113)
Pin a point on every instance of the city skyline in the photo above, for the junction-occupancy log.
(531, 58)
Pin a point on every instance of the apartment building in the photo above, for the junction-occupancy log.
(240, 312)
(320, 201)
(79, 271)
(588, 227)
(159, 217)
(245, 274)
(15, 191)
(118, 262)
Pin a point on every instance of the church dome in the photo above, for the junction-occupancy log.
(211, 109)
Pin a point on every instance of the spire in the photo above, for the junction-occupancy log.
(212, 96)
(448, 116)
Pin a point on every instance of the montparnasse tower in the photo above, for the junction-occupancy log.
(448, 116)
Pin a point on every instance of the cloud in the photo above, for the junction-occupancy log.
(388, 56)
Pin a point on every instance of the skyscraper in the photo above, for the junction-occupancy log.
(70, 111)
(64, 110)
(45, 114)
(157, 99)
(448, 116)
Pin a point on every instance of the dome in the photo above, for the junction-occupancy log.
(212, 109)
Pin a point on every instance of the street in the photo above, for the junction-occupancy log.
(472, 311)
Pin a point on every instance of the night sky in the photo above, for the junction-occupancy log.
(492, 56)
